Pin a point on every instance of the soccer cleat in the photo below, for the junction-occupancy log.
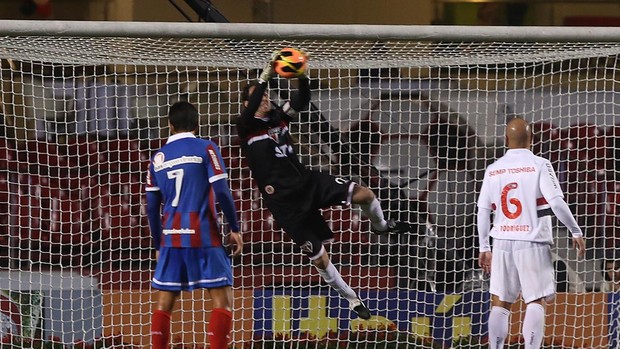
(360, 309)
(393, 227)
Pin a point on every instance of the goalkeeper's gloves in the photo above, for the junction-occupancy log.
(303, 75)
(268, 70)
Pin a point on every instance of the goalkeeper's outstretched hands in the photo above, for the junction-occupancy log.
(268, 71)
(303, 75)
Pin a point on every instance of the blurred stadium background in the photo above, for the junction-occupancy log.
(420, 12)
(416, 120)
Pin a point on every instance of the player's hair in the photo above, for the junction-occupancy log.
(183, 116)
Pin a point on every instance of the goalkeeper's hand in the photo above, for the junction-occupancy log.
(303, 75)
(268, 70)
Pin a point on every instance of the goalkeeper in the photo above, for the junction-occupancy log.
(293, 193)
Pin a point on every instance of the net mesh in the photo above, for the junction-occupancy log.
(415, 121)
(251, 53)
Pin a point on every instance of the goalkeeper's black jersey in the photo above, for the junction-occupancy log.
(268, 147)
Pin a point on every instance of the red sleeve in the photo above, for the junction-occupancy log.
(215, 165)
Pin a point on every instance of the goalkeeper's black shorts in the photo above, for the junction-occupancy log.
(300, 216)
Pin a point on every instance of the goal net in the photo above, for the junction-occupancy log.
(414, 113)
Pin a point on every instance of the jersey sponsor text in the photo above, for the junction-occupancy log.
(178, 161)
(214, 159)
(178, 231)
(515, 170)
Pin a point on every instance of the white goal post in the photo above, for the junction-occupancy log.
(414, 112)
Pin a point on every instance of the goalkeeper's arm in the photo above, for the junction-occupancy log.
(260, 87)
(300, 100)
(254, 101)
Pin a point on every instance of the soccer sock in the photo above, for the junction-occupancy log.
(219, 329)
(374, 212)
(534, 325)
(498, 327)
(333, 278)
(160, 329)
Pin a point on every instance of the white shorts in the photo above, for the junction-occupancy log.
(521, 266)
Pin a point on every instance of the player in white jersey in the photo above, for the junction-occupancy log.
(522, 191)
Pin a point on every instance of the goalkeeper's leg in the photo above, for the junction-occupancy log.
(332, 277)
(371, 208)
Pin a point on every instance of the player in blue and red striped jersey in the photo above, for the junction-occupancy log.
(186, 179)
